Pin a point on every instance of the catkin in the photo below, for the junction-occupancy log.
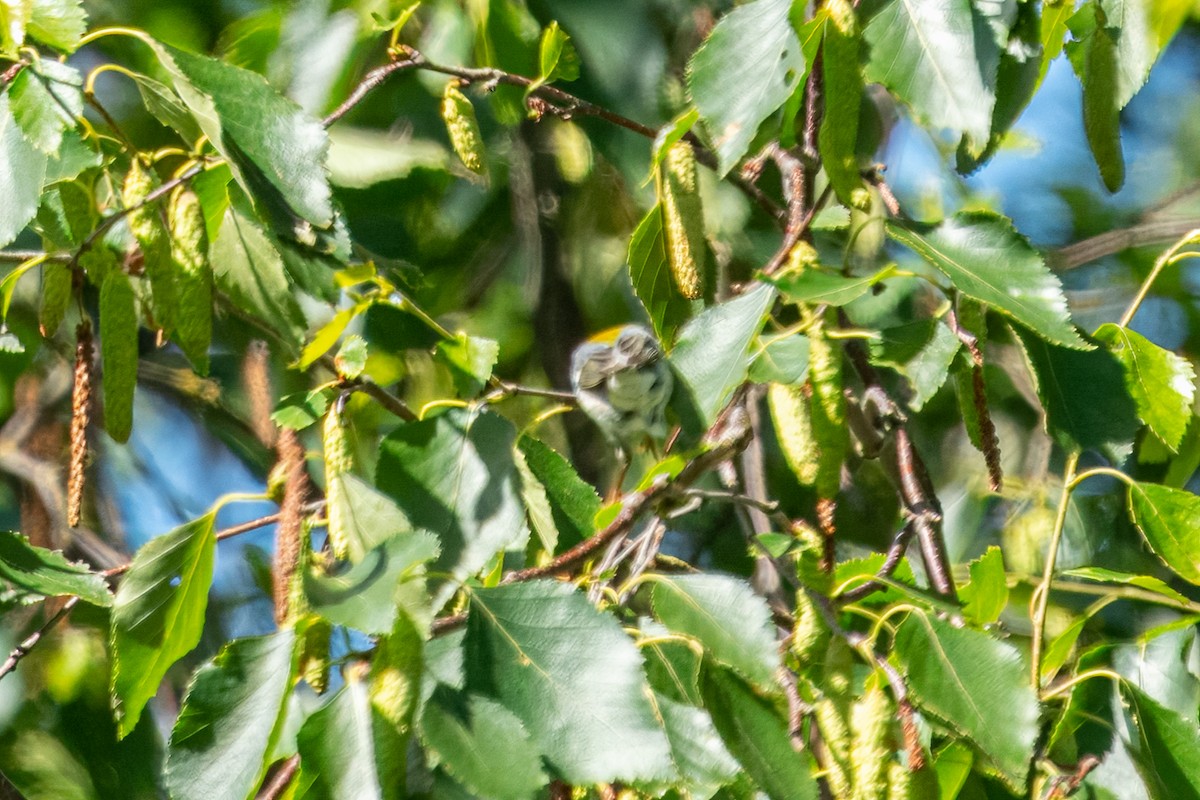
(189, 250)
(793, 429)
(465, 138)
(146, 224)
(57, 280)
(289, 530)
(683, 218)
(339, 460)
(119, 353)
(81, 407)
(835, 736)
(871, 745)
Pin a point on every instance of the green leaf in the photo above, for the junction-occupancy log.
(249, 270)
(166, 106)
(1161, 383)
(470, 360)
(455, 475)
(986, 259)
(22, 169)
(327, 336)
(1059, 649)
(67, 214)
(158, 613)
(922, 352)
(351, 358)
(976, 685)
(118, 352)
(757, 735)
(985, 597)
(371, 517)
(703, 761)
(1170, 521)
(364, 595)
(57, 23)
(48, 573)
(570, 674)
(14, 17)
(46, 98)
(396, 672)
(482, 745)
(928, 54)
(843, 88)
(73, 157)
(573, 502)
(268, 140)
(300, 409)
(1147, 582)
(650, 273)
(784, 359)
(1093, 54)
(712, 356)
(725, 615)
(231, 717)
(747, 68)
(557, 59)
(817, 286)
(337, 746)
(1165, 747)
(1077, 416)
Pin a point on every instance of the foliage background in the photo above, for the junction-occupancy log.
(535, 259)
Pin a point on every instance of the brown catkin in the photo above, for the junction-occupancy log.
(987, 430)
(256, 383)
(290, 529)
(463, 128)
(683, 218)
(81, 407)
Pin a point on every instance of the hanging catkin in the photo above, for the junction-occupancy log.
(81, 405)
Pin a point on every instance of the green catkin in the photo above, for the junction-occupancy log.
(146, 224)
(683, 218)
(793, 429)
(871, 748)
(57, 280)
(339, 460)
(463, 128)
(118, 353)
(189, 249)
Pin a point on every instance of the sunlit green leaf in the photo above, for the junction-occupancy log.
(986, 259)
(1077, 416)
(470, 360)
(22, 169)
(985, 597)
(746, 69)
(48, 573)
(230, 720)
(1165, 746)
(1170, 521)
(483, 745)
(158, 613)
(573, 502)
(816, 286)
(364, 595)
(756, 733)
(704, 762)
(1161, 383)
(975, 684)
(726, 616)
(575, 680)
(46, 97)
(454, 475)
(921, 351)
(57, 23)
(929, 55)
(712, 356)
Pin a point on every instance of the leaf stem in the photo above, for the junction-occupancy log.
(1041, 596)
(1163, 261)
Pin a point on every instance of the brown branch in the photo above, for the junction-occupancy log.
(914, 485)
(31, 641)
(368, 84)
(281, 780)
(566, 105)
(1111, 242)
(635, 503)
(20, 256)
(892, 560)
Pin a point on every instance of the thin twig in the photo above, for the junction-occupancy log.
(21, 256)
(892, 560)
(31, 641)
(281, 780)
(369, 83)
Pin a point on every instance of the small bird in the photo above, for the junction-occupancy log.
(623, 383)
